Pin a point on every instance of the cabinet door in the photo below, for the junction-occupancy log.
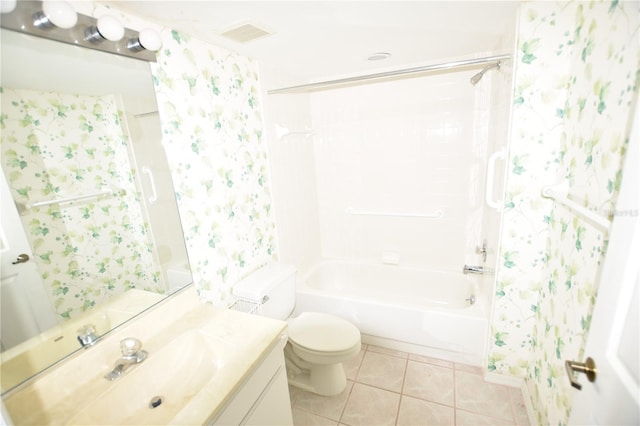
(273, 407)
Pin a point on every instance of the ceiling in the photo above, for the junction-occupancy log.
(318, 40)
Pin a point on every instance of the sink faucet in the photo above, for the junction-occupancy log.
(131, 356)
(474, 269)
(87, 335)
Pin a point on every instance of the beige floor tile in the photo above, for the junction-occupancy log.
(352, 366)
(330, 407)
(429, 360)
(430, 382)
(468, 368)
(519, 407)
(465, 418)
(383, 371)
(293, 394)
(370, 406)
(418, 412)
(387, 351)
(305, 418)
(475, 395)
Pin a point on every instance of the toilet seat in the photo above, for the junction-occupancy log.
(320, 332)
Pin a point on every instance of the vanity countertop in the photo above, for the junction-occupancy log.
(199, 355)
(37, 353)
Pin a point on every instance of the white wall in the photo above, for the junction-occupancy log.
(416, 145)
(293, 175)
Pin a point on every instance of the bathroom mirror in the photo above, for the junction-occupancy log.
(93, 235)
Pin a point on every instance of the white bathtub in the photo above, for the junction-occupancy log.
(415, 310)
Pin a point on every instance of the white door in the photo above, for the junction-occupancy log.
(614, 397)
(24, 306)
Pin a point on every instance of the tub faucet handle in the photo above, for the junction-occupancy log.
(467, 269)
(482, 250)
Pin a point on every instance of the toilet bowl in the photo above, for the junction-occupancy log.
(318, 343)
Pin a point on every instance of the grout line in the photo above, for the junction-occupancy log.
(455, 401)
(398, 410)
(346, 402)
(402, 394)
(315, 414)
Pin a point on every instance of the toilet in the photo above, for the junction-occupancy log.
(318, 343)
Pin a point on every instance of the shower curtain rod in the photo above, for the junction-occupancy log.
(415, 70)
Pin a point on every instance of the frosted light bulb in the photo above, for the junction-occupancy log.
(110, 28)
(7, 6)
(60, 13)
(150, 39)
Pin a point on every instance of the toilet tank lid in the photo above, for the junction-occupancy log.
(259, 283)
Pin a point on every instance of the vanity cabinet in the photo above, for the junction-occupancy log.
(263, 397)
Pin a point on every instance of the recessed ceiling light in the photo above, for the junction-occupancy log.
(380, 56)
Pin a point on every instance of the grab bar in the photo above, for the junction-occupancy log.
(154, 193)
(436, 214)
(491, 168)
(69, 199)
(558, 194)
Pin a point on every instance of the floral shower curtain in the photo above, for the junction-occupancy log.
(58, 146)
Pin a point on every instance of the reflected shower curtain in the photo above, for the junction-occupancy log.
(56, 146)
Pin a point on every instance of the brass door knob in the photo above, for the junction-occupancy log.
(22, 258)
(588, 367)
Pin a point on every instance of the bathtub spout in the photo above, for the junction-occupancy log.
(474, 269)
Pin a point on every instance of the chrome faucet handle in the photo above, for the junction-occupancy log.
(87, 335)
(130, 346)
(482, 250)
(87, 329)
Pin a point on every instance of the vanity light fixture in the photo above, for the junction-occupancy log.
(147, 39)
(106, 28)
(55, 13)
(57, 20)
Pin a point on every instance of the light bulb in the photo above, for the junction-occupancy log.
(110, 28)
(147, 39)
(150, 39)
(59, 13)
(7, 6)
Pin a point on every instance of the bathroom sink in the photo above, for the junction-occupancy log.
(198, 356)
(154, 391)
(39, 352)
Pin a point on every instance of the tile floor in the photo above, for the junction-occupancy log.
(387, 387)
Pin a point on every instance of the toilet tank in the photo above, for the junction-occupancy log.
(273, 286)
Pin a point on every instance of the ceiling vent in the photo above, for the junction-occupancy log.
(245, 33)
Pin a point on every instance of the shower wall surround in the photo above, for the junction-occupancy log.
(389, 149)
(576, 75)
(59, 145)
(208, 100)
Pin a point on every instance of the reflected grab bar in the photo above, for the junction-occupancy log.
(152, 182)
(434, 215)
(70, 199)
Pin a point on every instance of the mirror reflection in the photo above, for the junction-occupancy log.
(92, 236)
